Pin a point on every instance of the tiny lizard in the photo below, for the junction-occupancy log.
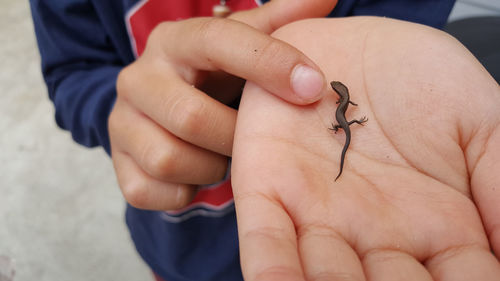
(343, 102)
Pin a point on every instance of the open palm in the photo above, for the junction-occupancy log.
(419, 197)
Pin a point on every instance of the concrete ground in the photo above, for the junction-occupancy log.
(61, 212)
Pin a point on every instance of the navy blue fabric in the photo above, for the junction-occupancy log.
(429, 12)
(83, 46)
(200, 248)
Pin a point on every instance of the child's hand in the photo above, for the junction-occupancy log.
(168, 135)
(419, 197)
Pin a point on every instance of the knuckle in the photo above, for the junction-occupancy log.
(120, 81)
(189, 114)
(123, 82)
(159, 32)
(211, 28)
(208, 30)
(136, 193)
(112, 120)
(159, 162)
(115, 121)
(112, 127)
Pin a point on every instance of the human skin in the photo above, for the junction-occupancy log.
(170, 129)
(419, 196)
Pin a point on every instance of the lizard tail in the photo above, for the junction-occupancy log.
(344, 150)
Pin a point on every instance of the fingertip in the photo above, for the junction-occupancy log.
(307, 83)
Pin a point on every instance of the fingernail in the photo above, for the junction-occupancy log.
(307, 83)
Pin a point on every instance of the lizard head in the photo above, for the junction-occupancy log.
(340, 88)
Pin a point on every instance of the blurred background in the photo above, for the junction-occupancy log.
(61, 211)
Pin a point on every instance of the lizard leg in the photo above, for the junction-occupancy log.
(334, 128)
(360, 121)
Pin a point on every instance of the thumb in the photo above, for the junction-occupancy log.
(277, 13)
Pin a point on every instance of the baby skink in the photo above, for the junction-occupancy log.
(343, 102)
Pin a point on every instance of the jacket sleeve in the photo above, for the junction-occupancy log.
(79, 66)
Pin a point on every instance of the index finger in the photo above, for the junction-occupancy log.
(274, 14)
(239, 49)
